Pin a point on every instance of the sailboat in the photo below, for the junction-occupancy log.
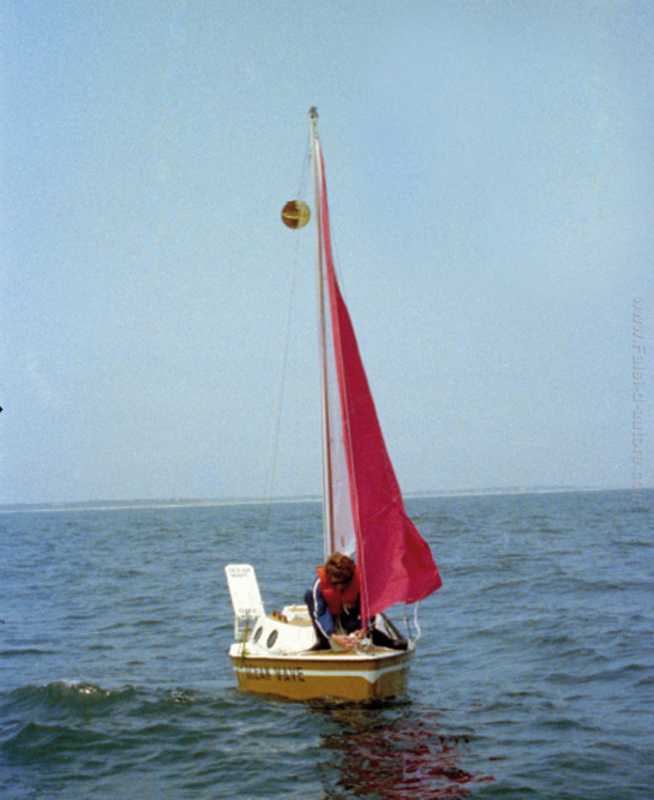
(363, 517)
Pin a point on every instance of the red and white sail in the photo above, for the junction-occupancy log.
(363, 507)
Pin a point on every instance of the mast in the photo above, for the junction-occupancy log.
(327, 478)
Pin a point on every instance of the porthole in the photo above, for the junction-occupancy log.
(271, 639)
(257, 634)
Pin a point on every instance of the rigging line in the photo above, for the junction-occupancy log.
(306, 166)
(279, 400)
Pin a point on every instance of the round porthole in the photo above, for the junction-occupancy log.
(271, 640)
(257, 634)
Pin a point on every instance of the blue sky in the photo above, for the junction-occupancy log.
(490, 169)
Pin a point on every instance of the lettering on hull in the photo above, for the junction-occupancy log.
(274, 673)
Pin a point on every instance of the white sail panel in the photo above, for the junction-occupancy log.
(339, 534)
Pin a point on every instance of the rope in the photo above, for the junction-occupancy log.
(281, 384)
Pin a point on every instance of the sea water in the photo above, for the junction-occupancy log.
(534, 676)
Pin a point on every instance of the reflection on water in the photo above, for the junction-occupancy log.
(393, 752)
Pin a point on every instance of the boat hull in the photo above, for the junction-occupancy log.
(355, 677)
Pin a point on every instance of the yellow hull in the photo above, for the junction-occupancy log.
(321, 675)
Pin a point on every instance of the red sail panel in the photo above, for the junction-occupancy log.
(396, 563)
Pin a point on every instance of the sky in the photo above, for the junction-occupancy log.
(490, 167)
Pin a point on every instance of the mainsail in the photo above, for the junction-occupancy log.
(364, 511)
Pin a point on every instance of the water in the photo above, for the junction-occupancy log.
(534, 679)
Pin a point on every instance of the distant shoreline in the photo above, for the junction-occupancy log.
(131, 505)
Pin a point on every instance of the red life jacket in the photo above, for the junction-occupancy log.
(336, 600)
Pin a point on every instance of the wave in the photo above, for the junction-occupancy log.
(71, 721)
(80, 696)
(69, 696)
(17, 652)
(72, 700)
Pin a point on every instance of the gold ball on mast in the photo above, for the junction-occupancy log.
(296, 214)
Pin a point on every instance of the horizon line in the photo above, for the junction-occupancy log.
(181, 502)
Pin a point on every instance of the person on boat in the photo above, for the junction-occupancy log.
(334, 605)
